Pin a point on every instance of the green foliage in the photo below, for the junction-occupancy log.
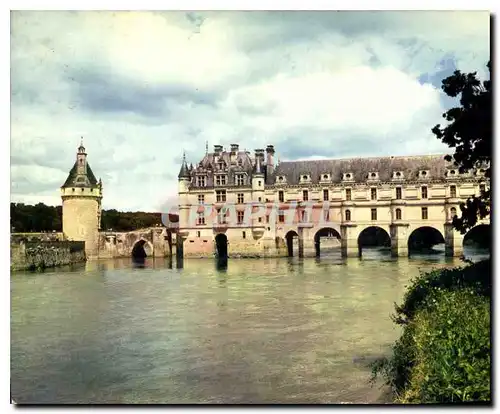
(26, 218)
(476, 276)
(443, 354)
(451, 345)
(469, 131)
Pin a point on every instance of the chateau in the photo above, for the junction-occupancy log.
(236, 203)
(233, 203)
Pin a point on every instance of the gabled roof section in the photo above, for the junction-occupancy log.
(74, 180)
(361, 167)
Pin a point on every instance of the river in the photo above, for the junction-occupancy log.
(259, 331)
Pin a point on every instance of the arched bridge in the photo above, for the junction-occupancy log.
(146, 242)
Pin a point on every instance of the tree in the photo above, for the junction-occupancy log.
(469, 131)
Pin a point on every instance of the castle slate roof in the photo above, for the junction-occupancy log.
(360, 168)
(72, 181)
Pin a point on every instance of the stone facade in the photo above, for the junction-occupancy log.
(259, 208)
(40, 255)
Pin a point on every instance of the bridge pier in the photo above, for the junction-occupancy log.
(349, 242)
(399, 239)
(453, 241)
(301, 241)
(179, 249)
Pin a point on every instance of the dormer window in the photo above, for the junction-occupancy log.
(240, 163)
(348, 176)
(201, 181)
(221, 165)
(373, 176)
(304, 178)
(397, 175)
(423, 174)
(220, 180)
(325, 177)
(451, 173)
(280, 179)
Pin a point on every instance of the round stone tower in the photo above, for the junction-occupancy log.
(81, 204)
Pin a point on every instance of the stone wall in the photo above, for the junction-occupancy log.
(39, 255)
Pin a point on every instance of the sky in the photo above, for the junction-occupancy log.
(142, 87)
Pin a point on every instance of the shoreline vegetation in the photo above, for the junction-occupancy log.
(444, 352)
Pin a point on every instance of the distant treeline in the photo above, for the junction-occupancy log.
(28, 218)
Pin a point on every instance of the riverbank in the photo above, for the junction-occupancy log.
(39, 255)
(444, 352)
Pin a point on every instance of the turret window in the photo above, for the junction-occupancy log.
(399, 193)
(373, 193)
(348, 215)
(281, 196)
(305, 195)
(326, 195)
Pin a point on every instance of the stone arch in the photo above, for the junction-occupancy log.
(423, 239)
(290, 237)
(326, 232)
(142, 249)
(373, 236)
(221, 243)
(478, 236)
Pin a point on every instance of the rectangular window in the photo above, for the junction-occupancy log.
(220, 196)
(260, 219)
(201, 199)
(305, 195)
(453, 191)
(267, 218)
(398, 214)
(325, 195)
(348, 194)
(281, 196)
(374, 214)
(424, 213)
(201, 218)
(424, 192)
(399, 193)
(281, 217)
(241, 198)
(239, 179)
(201, 182)
(198, 234)
(244, 235)
(221, 216)
(220, 180)
(374, 193)
(240, 216)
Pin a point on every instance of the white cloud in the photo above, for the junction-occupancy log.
(141, 87)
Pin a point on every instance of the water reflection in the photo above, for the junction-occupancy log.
(254, 331)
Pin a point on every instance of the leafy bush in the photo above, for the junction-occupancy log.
(451, 346)
(476, 276)
(443, 354)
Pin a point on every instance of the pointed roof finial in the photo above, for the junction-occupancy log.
(206, 147)
(184, 156)
(81, 142)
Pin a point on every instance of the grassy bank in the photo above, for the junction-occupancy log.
(443, 354)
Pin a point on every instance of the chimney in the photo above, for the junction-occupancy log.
(259, 159)
(270, 159)
(217, 149)
(234, 153)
